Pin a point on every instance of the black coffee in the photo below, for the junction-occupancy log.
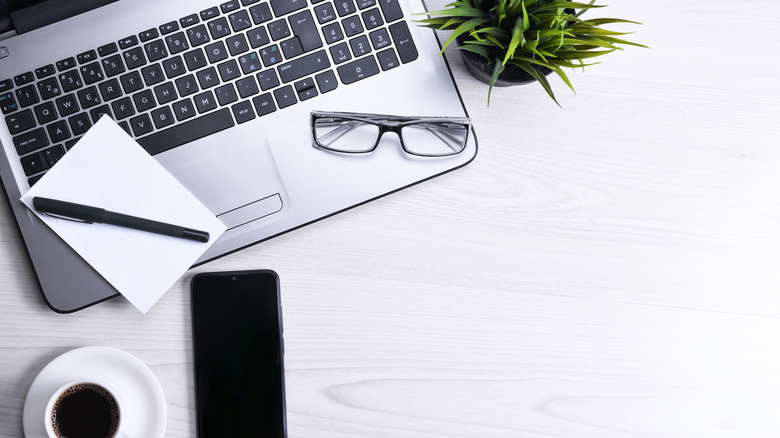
(85, 410)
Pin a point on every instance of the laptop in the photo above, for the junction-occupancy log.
(219, 93)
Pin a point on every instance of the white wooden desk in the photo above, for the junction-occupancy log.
(609, 269)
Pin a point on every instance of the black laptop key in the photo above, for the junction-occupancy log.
(67, 105)
(141, 125)
(283, 7)
(88, 56)
(240, 21)
(123, 108)
(189, 20)
(360, 46)
(387, 59)
(144, 101)
(92, 73)
(80, 123)
(183, 109)
(70, 80)
(205, 102)
(243, 111)
(270, 55)
(304, 27)
(53, 155)
(261, 13)
(362, 4)
(230, 6)
(186, 85)
(58, 132)
(379, 39)
(113, 65)
(49, 88)
(303, 66)
(325, 12)
(267, 79)
(27, 96)
(247, 87)
(110, 90)
(372, 18)
(228, 70)
(291, 47)
(88, 97)
(162, 117)
(333, 33)
(305, 89)
(97, 113)
(148, 35)
(285, 96)
(358, 70)
(165, 93)
(345, 7)
(210, 13)
(188, 131)
(131, 82)
(20, 122)
(326, 81)
(352, 25)
(177, 43)
(249, 63)
(278, 29)
(155, 50)
(6, 85)
(219, 28)
(264, 104)
(46, 70)
(195, 59)
(8, 103)
(167, 28)
(237, 44)
(45, 113)
(24, 78)
(258, 37)
(33, 163)
(31, 141)
(66, 64)
(226, 94)
(403, 42)
(216, 52)
(107, 49)
(391, 10)
(174, 67)
(128, 42)
(198, 35)
(153, 74)
(208, 78)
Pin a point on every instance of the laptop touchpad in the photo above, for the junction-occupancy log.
(238, 182)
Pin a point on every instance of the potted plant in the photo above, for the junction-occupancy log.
(506, 42)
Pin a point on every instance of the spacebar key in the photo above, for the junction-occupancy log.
(186, 132)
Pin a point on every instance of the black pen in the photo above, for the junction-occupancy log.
(85, 213)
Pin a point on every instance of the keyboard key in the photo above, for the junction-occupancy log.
(187, 85)
(340, 53)
(189, 20)
(107, 49)
(174, 67)
(379, 39)
(188, 131)
(205, 102)
(403, 41)
(162, 117)
(261, 13)
(226, 94)
(153, 74)
(304, 27)
(326, 81)
(123, 108)
(46, 70)
(21, 121)
(195, 59)
(291, 47)
(70, 80)
(216, 52)
(134, 58)
(249, 63)
(284, 7)
(92, 73)
(128, 42)
(177, 43)
(24, 78)
(167, 28)
(228, 70)
(58, 131)
(45, 113)
(246, 87)
(362, 4)
(49, 88)
(131, 82)
(325, 12)
(67, 105)
(267, 79)
(198, 35)
(219, 28)
(240, 21)
(258, 37)
(285, 96)
(230, 6)
(243, 112)
(332, 33)
(141, 125)
(264, 104)
(165, 93)
(148, 35)
(6, 85)
(391, 10)
(360, 46)
(53, 155)
(305, 89)
(372, 18)
(27, 96)
(144, 101)
(210, 13)
(155, 50)
(352, 26)
(31, 141)
(387, 59)
(33, 163)
(270, 55)
(88, 56)
(109, 90)
(80, 123)
(88, 97)
(358, 70)
(208, 78)
(8, 103)
(237, 44)
(345, 7)
(97, 113)
(113, 65)
(278, 29)
(303, 66)
(66, 64)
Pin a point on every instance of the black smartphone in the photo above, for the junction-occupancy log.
(238, 350)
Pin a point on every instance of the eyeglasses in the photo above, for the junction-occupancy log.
(356, 133)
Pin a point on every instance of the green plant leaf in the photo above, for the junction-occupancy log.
(497, 69)
(463, 28)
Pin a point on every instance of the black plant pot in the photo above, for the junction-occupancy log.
(481, 69)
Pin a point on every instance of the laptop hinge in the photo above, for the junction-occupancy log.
(51, 11)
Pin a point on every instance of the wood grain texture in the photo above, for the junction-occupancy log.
(604, 269)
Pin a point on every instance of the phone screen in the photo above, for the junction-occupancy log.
(237, 339)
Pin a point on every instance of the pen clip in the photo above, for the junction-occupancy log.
(67, 218)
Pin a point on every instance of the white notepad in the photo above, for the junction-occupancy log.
(108, 169)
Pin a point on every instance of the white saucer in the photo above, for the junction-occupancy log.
(142, 396)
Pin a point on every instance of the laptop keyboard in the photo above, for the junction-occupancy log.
(204, 73)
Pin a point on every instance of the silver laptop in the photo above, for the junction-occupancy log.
(221, 95)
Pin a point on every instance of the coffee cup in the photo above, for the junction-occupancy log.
(84, 408)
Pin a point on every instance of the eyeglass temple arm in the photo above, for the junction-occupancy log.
(334, 135)
(453, 142)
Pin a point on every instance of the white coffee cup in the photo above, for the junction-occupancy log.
(84, 404)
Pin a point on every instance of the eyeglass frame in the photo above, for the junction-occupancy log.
(388, 123)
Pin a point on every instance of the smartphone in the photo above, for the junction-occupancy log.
(238, 351)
